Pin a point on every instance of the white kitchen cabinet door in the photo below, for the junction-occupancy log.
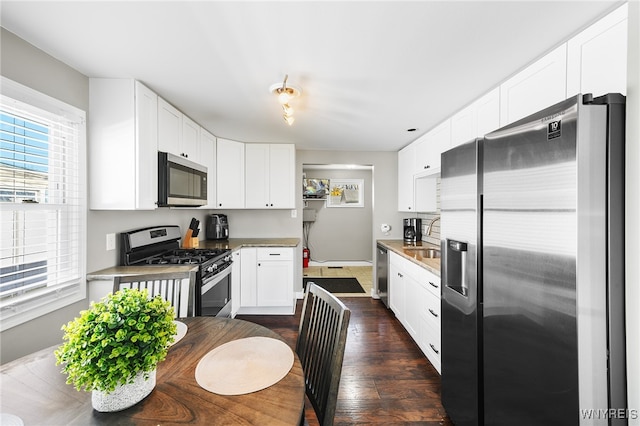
(406, 160)
(597, 57)
(414, 303)
(207, 158)
(230, 174)
(190, 140)
(487, 110)
(146, 148)
(282, 176)
(463, 125)
(396, 287)
(169, 128)
(236, 282)
(270, 176)
(123, 145)
(430, 146)
(256, 175)
(540, 85)
(275, 283)
(248, 274)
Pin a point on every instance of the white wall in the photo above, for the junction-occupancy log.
(632, 230)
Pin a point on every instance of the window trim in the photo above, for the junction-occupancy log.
(51, 302)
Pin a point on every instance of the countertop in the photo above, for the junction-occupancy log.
(237, 243)
(231, 243)
(408, 251)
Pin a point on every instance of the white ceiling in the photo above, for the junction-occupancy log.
(369, 70)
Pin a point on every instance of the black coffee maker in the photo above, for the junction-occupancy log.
(412, 230)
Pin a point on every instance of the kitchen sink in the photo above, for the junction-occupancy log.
(421, 252)
(430, 253)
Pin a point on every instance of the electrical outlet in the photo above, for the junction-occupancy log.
(294, 213)
(111, 242)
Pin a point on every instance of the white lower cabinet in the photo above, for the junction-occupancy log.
(414, 296)
(266, 280)
(236, 277)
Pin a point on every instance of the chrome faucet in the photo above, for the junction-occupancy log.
(431, 225)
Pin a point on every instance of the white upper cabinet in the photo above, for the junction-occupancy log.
(123, 145)
(270, 176)
(229, 174)
(190, 141)
(406, 165)
(169, 127)
(177, 133)
(282, 176)
(256, 162)
(207, 158)
(538, 86)
(430, 146)
(597, 57)
(476, 120)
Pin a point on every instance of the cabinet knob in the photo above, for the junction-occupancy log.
(433, 313)
(266, 205)
(427, 166)
(434, 348)
(433, 285)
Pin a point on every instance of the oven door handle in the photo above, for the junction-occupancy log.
(211, 282)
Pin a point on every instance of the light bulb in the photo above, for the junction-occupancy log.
(283, 97)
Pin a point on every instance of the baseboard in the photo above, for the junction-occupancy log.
(341, 263)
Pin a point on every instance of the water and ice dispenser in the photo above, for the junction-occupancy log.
(456, 260)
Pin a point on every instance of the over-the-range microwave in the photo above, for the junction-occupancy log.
(181, 183)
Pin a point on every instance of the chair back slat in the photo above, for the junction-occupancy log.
(177, 288)
(320, 346)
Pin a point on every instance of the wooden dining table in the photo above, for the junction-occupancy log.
(34, 389)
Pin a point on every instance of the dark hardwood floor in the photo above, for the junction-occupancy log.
(385, 379)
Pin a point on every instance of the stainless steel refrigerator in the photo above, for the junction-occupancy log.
(532, 230)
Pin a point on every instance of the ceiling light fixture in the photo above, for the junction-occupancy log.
(285, 94)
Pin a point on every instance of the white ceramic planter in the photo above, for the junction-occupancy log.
(124, 396)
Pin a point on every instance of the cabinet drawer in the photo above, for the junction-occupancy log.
(430, 345)
(275, 253)
(432, 283)
(432, 313)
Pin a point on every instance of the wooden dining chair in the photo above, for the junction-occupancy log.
(320, 346)
(177, 288)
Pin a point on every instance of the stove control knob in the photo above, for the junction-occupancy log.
(209, 269)
(214, 266)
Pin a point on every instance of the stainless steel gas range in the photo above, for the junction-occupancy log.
(160, 245)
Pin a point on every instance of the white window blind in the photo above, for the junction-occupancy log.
(42, 203)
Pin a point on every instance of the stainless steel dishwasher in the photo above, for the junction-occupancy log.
(382, 267)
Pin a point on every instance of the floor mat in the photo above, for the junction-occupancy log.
(336, 284)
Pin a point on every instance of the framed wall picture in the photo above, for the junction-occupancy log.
(346, 193)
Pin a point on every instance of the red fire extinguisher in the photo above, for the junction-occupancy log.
(305, 257)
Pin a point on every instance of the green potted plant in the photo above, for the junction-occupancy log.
(113, 348)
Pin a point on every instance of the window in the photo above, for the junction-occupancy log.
(42, 204)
